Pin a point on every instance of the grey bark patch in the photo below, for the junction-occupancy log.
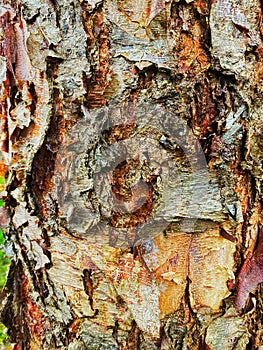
(227, 333)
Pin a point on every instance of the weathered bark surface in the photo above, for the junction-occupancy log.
(132, 131)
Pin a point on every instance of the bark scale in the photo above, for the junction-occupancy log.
(89, 270)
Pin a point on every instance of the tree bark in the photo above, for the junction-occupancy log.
(132, 132)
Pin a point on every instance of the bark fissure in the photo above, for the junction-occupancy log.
(178, 84)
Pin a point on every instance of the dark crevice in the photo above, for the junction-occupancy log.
(56, 7)
(115, 332)
(43, 165)
(34, 97)
(13, 95)
(46, 239)
(88, 285)
(39, 285)
(21, 133)
(219, 74)
(133, 340)
(32, 19)
(250, 345)
(198, 326)
(30, 199)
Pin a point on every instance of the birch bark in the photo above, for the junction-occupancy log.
(132, 132)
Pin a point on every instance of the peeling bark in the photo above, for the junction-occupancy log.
(131, 138)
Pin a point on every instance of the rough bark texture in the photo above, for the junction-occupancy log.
(110, 249)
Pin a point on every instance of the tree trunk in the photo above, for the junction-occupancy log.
(132, 132)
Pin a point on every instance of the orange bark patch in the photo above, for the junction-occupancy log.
(34, 316)
(191, 51)
(31, 311)
(25, 320)
(204, 111)
(210, 266)
(98, 39)
(170, 269)
(3, 169)
(202, 6)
